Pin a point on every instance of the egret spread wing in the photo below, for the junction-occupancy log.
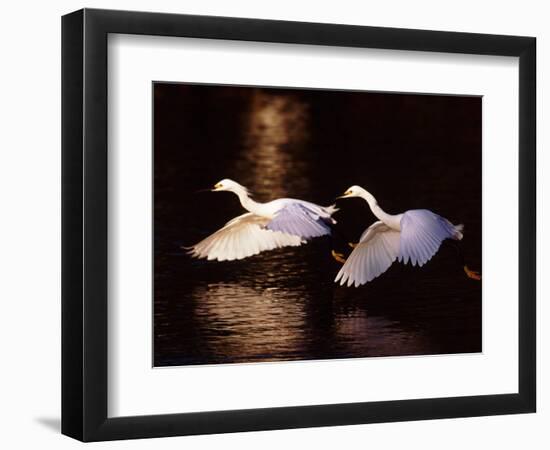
(375, 253)
(300, 220)
(422, 233)
(241, 237)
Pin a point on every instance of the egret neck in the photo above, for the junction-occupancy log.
(392, 221)
(247, 203)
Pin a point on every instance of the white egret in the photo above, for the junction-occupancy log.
(266, 226)
(414, 236)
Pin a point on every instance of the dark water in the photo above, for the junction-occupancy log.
(410, 151)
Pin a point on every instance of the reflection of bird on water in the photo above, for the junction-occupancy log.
(278, 223)
(414, 236)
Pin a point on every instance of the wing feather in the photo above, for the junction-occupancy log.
(375, 253)
(422, 233)
(306, 220)
(242, 237)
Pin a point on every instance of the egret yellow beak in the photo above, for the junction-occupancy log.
(217, 187)
(345, 194)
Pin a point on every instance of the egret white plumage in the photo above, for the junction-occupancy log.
(266, 226)
(414, 236)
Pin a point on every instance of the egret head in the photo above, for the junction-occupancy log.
(229, 185)
(353, 191)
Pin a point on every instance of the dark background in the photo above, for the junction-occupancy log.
(410, 151)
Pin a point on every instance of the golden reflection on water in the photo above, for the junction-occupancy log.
(375, 335)
(250, 321)
(244, 323)
(276, 131)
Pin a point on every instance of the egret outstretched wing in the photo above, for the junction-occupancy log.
(241, 237)
(300, 219)
(375, 253)
(422, 233)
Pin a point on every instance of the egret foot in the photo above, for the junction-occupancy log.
(338, 257)
(472, 274)
(353, 245)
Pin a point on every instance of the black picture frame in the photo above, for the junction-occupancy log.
(84, 224)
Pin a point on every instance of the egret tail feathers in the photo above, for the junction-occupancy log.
(331, 209)
(459, 231)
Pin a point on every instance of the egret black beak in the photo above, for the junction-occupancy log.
(344, 195)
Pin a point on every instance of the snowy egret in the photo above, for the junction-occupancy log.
(266, 226)
(414, 236)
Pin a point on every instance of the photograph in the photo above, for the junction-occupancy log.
(295, 224)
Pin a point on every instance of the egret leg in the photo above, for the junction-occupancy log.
(472, 274)
(338, 256)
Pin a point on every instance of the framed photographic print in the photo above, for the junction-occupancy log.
(273, 224)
